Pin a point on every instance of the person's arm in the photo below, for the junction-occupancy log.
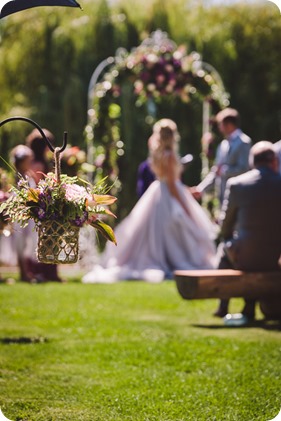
(207, 184)
(172, 178)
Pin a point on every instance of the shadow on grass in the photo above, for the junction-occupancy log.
(271, 325)
(23, 340)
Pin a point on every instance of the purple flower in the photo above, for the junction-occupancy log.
(22, 182)
(42, 204)
(41, 214)
(80, 220)
(45, 196)
(53, 216)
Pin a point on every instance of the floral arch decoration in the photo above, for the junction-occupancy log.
(155, 69)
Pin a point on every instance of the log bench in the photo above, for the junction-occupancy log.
(264, 287)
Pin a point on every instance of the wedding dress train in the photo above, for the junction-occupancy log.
(158, 237)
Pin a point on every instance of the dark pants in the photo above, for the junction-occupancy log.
(224, 262)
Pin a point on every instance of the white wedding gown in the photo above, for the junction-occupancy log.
(156, 238)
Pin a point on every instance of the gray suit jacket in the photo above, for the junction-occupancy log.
(234, 156)
(251, 219)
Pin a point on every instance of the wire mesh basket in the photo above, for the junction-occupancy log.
(57, 242)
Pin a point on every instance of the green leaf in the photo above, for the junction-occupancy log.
(11, 167)
(105, 230)
(104, 199)
(3, 207)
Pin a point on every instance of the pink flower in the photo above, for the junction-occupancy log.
(75, 193)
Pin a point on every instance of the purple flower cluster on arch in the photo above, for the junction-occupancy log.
(157, 69)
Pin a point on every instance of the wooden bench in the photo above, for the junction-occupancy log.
(264, 287)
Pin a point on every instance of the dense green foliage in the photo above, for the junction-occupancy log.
(47, 57)
(131, 351)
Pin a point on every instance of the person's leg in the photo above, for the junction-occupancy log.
(249, 309)
(223, 263)
(46, 272)
(25, 269)
(222, 309)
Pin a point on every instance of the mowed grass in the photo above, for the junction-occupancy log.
(131, 351)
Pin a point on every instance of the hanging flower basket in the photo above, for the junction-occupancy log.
(57, 243)
(59, 205)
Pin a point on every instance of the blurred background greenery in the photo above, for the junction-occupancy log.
(48, 55)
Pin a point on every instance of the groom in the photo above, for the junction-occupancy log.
(251, 218)
(232, 156)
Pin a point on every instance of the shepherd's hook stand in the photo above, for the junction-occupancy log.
(49, 144)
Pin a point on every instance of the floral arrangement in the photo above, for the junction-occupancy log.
(170, 73)
(4, 195)
(72, 200)
(159, 68)
(3, 219)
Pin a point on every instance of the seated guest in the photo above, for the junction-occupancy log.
(250, 218)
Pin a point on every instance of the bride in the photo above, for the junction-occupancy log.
(167, 229)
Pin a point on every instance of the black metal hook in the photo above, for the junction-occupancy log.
(49, 144)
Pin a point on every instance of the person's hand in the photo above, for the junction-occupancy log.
(221, 169)
(195, 193)
(206, 140)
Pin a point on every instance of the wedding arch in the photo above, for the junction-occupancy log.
(154, 70)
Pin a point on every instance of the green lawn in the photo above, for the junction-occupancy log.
(131, 351)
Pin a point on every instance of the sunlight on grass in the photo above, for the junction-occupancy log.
(131, 351)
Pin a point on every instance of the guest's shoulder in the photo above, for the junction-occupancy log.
(245, 139)
(277, 146)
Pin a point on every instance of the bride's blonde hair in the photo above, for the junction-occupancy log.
(165, 135)
(165, 138)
